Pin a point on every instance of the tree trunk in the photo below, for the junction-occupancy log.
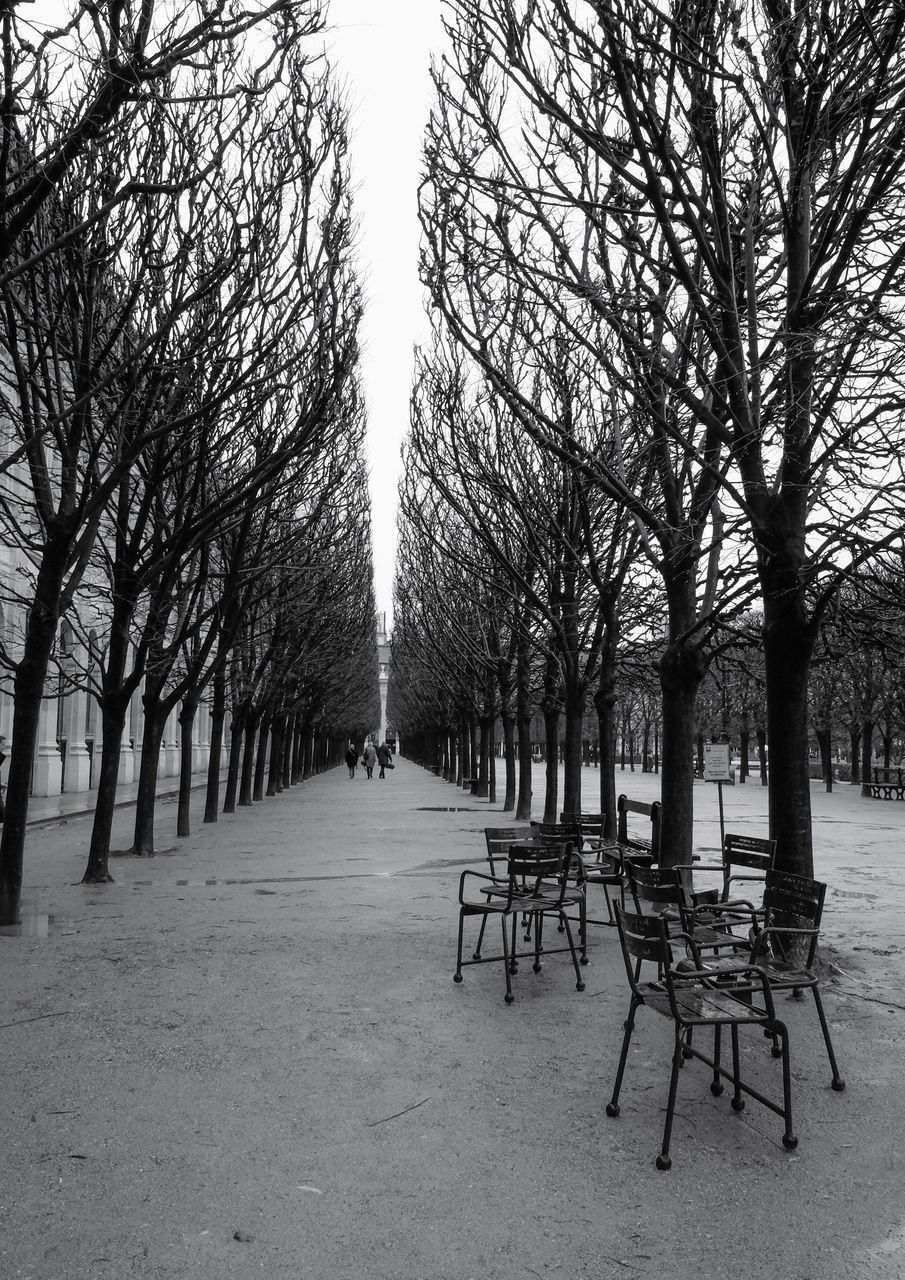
(31, 672)
(465, 752)
(605, 704)
(473, 747)
(113, 722)
(574, 716)
(867, 754)
(483, 757)
(286, 773)
(854, 754)
(682, 668)
(186, 751)
(261, 756)
(507, 721)
(787, 655)
(275, 771)
(146, 798)
(551, 767)
(825, 746)
(218, 718)
(295, 767)
(236, 740)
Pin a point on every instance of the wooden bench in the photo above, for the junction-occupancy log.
(649, 844)
(888, 784)
(473, 786)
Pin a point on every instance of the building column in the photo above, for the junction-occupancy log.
(78, 761)
(126, 772)
(171, 746)
(47, 778)
(201, 738)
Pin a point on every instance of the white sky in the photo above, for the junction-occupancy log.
(381, 50)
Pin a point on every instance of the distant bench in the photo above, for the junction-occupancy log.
(647, 843)
(888, 784)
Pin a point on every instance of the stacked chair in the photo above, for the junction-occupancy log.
(541, 879)
(719, 962)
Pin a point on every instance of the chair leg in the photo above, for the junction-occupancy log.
(838, 1082)
(609, 905)
(457, 976)
(579, 983)
(716, 1084)
(538, 940)
(612, 1107)
(476, 954)
(663, 1160)
(506, 965)
(789, 1141)
(738, 1102)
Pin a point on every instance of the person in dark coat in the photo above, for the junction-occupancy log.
(351, 758)
(384, 758)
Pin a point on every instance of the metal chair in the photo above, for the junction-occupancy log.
(602, 858)
(498, 840)
(694, 997)
(743, 860)
(540, 881)
(781, 939)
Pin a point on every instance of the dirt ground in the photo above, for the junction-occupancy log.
(248, 1057)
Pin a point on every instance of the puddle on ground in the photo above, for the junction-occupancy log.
(442, 808)
(38, 924)
(214, 882)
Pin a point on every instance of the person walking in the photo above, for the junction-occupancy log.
(384, 758)
(351, 758)
(369, 758)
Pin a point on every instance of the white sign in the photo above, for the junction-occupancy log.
(716, 762)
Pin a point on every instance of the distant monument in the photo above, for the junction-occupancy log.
(383, 658)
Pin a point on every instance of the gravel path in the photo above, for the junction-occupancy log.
(247, 1057)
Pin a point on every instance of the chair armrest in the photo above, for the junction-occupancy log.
(493, 881)
(761, 941)
(737, 908)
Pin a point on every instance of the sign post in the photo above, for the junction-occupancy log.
(716, 769)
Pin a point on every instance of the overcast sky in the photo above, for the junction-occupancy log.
(381, 48)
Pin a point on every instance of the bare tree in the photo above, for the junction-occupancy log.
(722, 189)
(562, 549)
(65, 87)
(137, 353)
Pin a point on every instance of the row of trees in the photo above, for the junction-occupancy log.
(665, 249)
(181, 477)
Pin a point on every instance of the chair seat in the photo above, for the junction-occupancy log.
(781, 973)
(786, 973)
(702, 1005)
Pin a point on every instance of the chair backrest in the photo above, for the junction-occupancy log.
(541, 870)
(652, 811)
(557, 830)
(746, 858)
(642, 938)
(793, 902)
(498, 840)
(590, 825)
(654, 888)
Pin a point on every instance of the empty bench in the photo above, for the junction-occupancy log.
(648, 840)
